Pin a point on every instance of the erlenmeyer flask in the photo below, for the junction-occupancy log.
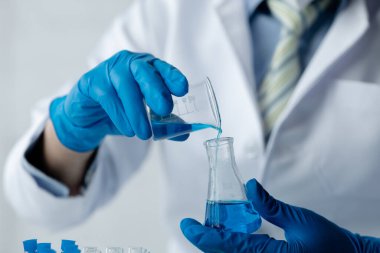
(227, 206)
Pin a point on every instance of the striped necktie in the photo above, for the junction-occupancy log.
(285, 67)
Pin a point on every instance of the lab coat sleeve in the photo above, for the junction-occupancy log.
(39, 198)
(47, 183)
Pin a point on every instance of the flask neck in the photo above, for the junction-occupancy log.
(221, 155)
(225, 183)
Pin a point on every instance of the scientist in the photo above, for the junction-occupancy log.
(298, 85)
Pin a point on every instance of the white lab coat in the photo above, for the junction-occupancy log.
(324, 152)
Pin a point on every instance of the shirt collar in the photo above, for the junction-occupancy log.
(252, 4)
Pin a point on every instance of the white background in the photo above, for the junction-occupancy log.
(44, 43)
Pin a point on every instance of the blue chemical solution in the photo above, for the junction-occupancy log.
(233, 216)
(164, 130)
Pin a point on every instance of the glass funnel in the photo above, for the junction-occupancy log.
(197, 110)
(227, 205)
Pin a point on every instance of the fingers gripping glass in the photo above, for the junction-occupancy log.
(197, 110)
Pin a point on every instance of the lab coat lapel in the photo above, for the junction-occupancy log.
(234, 20)
(233, 16)
(349, 26)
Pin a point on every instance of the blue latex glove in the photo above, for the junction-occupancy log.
(109, 100)
(305, 231)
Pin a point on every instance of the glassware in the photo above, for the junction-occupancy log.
(114, 250)
(137, 250)
(91, 250)
(197, 110)
(227, 206)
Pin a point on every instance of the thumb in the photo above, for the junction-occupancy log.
(271, 209)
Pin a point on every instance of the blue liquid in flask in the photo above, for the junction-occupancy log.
(233, 216)
(164, 130)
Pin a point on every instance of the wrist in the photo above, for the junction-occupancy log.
(61, 163)
(68, 133)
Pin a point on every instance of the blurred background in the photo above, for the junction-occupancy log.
(44, 43)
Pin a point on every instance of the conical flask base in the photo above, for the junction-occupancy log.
(227, 207)
(233, 216)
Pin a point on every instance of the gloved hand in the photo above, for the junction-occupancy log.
(305, 231)
(109, 100)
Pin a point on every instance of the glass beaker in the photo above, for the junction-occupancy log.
(227, 208)
(197, 110)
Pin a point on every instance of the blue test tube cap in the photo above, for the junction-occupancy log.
(30, 246)
(43, 246)
(65, 244)
(71, 249)
(46, 250)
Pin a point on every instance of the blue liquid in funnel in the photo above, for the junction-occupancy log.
(233, 216)
(165, 130)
